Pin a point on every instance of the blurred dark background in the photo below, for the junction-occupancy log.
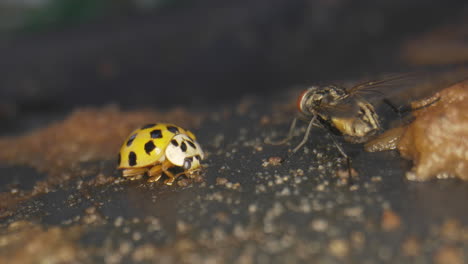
(59, 54)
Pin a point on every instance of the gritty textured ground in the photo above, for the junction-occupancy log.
(62, 200)
(251, 206)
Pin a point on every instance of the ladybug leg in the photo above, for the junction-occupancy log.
(192, 173)
(155, 173)
(187, 173)
(134, 174)
(165, 166)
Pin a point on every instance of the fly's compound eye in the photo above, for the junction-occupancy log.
(301, 99)
(187, 163)
(307, 99)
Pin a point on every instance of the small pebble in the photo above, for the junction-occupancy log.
(390, 220)
(339, 248)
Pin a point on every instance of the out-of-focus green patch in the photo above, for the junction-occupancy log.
(32, 16)
(61, 13)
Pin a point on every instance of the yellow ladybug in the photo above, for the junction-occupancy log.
(155, 148)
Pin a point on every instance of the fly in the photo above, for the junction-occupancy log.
(340, 111)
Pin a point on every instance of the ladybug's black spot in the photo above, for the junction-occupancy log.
(191, 144)
(148, 126)
(119, 159)
(130, 140)
(149, 146)
(156, 133)
(173, 129)
(198, 157)
(174, 142)
(132, 158)
(183, 146)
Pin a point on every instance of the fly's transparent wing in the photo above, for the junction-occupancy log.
(348, 107)
(401, 89)
(385, 87)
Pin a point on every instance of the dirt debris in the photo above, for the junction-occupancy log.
(339, 248)
(437, 140)
(272, 161)
(411, 247)
(24, 242)
(226, 183)
(357, 240)
(319, 225)
(391, 221)
(221, 181)
(451, 230)
(345, 173)
(449, 255)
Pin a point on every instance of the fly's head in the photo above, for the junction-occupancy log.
(313, 99)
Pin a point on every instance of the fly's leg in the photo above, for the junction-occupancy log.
(134, 174)
(155, 173)
(395, 109)
(288, 137)
(306, 135)
(415, 106)
(405, 109)
(400, 111)
(348, 159)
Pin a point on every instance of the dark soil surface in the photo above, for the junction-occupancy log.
(62, 200)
